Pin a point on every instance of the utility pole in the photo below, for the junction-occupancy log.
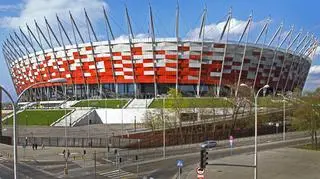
(0, 112)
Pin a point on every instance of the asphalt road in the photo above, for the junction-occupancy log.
(24, 171)
(151, 165)
(167, 168)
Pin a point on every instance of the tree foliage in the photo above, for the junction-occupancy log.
(307, 115)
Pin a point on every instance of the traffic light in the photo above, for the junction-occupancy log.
(203, 158)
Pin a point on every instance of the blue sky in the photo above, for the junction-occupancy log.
(15, 13)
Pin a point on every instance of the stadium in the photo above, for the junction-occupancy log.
(148, 67)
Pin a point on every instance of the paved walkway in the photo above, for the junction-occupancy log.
(284, 163)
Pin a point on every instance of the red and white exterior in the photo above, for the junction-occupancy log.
(166, 61)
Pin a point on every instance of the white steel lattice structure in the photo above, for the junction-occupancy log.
(149, 66)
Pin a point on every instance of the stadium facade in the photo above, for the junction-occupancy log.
(148, 67)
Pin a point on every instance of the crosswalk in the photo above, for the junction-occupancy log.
(117, 174)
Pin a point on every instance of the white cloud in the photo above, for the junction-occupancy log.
(10, 7)
(315, 69)
(38, 9)
(317, 51)
(137, 36)
(213, 31)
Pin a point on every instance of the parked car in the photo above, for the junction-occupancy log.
(208, 144)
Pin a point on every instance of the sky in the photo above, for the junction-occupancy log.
(299, 14)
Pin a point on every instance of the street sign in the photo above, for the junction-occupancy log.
(200, 171)
(200, 176)
(180, 163)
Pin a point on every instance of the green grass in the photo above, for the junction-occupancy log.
(194, 103)
(37, 117)
(270, 102)
(217, 102)
(309, 147)
(110, 103)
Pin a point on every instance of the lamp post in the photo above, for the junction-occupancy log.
(14, 108)
(284, 116)
(164, 126)
(256, 128)
(106, 117)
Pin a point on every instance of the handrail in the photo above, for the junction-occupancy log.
(83, 116)
(63, 117)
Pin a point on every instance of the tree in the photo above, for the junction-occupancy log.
(307, 116)
(241, 101)
(176, 103)
(153, 120)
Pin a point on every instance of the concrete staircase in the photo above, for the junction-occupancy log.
(71, 117)
(139, 103)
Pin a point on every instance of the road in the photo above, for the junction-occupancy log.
(150, 161)
(24, 171)
(167, 168)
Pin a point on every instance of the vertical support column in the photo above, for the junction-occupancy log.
(227, 25)
(275, 50)
(201, 35)
(131, 36)
(298, 69)
(74, 26)
(153, 54)
(109, 30)
(284, 60)
(295, 58)
(7, 59)
(177, 36)
(247, 29)
(265, 31)
(92, 47)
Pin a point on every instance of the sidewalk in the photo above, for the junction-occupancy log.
(283, 163)
(55, 153)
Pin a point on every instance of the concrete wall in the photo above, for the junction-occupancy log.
(116, 116)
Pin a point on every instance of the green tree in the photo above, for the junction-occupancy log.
(176, 103)
(241, 101)
(307, 116)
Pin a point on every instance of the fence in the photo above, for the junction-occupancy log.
(116, 142)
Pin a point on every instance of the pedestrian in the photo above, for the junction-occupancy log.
(32, 146)
(42, 146)
(36, 146)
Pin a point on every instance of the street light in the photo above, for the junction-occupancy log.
(164, 125)
(106, 117)
(14, 108)
(256, 127)
(284, 116)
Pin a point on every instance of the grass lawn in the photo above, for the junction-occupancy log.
(193, 103)
(37, 117)
(271, 102)
(110, 103)
(309, 147)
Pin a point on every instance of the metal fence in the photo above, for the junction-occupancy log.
(115, 142)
